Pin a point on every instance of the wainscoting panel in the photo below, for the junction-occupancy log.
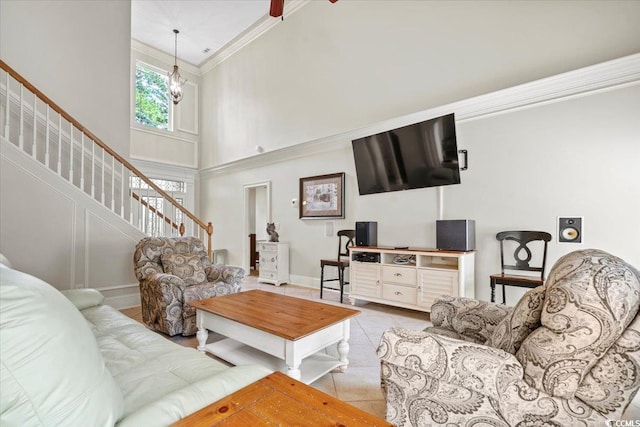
(54, 231)
(29, 208)
(108, 253)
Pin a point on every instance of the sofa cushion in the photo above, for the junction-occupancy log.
(52, 371)
(188, 267)
(84, 298)
(161, 381)
(524, 319)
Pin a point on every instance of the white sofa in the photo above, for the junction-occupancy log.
(68, 360)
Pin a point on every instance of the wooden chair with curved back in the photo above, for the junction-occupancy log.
(346, 239)
(524, 240)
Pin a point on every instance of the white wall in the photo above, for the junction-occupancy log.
(575, 157)
(77, 53)
(331, 68)
(178, 147)
(572, 158)
(54, 231)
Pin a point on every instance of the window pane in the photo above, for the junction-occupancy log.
(155, 220)
(165, 185)
(152, 98)
(179, 216)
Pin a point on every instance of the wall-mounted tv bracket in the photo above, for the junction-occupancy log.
(466, 159)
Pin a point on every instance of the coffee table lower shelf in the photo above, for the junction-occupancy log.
(237, 353)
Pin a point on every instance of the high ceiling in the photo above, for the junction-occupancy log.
(203, 24)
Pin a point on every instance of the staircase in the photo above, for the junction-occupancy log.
(66, 147)
(112, 203)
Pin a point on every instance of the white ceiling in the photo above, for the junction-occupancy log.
(202, 24)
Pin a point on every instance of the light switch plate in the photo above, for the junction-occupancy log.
(328, 229)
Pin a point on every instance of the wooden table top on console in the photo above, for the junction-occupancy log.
(287, 317)
(278, 400)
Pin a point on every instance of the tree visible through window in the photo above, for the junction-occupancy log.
(152, 98)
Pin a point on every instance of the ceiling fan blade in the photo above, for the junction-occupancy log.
(277, 7)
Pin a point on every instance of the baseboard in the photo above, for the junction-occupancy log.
(304, 281)
(123, 301)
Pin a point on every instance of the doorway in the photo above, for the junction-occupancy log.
(257, 212)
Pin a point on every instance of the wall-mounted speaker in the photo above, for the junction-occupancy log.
(456, 234)
(366, 233)
(570, 229)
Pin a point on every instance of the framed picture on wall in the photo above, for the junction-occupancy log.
(322, 196)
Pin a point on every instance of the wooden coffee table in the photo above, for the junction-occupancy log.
(278, 400)
(279, 332)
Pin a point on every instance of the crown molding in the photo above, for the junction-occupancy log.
(145, 49)
(605, 76)
(255, 31)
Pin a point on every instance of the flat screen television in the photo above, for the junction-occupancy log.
(420, 155)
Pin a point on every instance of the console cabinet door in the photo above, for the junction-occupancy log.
(365, 279)
(433, 283)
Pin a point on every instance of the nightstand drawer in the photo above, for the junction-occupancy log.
(268, 263)
(271, 275)
(267, 247)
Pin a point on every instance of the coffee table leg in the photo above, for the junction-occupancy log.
(294, 372)
(343, 351)
(202, 336)
(293, 361)
(202, 333)
(343, 345)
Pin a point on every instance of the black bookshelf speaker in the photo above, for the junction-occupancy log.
(366, 233)
(456, 234)
(570, 229)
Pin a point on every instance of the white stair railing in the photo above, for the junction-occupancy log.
(41, 129)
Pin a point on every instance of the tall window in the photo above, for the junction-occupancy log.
(152, 98)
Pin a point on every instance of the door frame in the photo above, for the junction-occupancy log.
(245, 237)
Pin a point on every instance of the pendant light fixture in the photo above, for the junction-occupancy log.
(175, 81)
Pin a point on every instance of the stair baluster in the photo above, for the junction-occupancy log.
(140, 206)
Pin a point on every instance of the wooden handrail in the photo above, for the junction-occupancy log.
(98, 141)
(155, 211)
(207, 227)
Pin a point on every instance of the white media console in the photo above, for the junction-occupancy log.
(410, 278)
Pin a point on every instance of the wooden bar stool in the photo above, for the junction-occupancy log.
(341, 262)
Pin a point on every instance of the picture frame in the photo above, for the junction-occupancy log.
(322, 196)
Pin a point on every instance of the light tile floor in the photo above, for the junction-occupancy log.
(360, 384)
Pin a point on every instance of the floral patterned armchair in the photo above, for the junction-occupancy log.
(568, 354)
(173, 271)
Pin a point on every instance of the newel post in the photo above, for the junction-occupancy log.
(209, 232)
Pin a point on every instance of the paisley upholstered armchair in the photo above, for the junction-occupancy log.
(568, 354)
(173, 271)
